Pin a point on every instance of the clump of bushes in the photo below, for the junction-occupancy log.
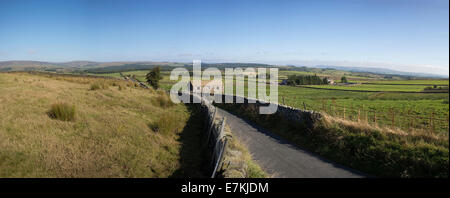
(98, 85)
(163, 100)
(435, 87)
(62, 111)
(95, 86)
(165, 124)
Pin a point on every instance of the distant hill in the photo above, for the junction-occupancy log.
(107, 67)
(73, 65)
(25, 65)
(381, 71)
(79, 63)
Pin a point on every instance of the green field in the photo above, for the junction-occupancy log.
(373, 87)
(413, 82)
(404, 106)
(138, 73)
(408, 110)
(333, 74)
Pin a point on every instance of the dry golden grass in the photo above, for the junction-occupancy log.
(164, 124)
(163, 100)
(364, 126)
(110, 136)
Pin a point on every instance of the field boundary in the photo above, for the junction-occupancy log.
(444, 85)
(370, 91)
(215, 139)
(222, 147)
(392, 118)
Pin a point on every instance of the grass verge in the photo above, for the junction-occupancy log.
(238, 162)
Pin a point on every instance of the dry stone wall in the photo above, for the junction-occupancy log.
(215, 139)
(294, 115)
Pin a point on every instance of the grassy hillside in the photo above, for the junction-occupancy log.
(118, 130)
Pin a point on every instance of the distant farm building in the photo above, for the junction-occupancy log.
(214, 86)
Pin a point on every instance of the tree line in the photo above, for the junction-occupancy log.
(306, 80)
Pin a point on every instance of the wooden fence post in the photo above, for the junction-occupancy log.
(359, 114)
(365, 117)
(331, 108)
(393, 118)
(334, 105)
(323, 106)
(375, 117)
(447, 124)
(431, 122)
(283, 100)
(344, 112)
(409, 124)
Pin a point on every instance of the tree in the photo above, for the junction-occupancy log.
(153, 77)
(325, 81)
(291, 80)
(344, 79)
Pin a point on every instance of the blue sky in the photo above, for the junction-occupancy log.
(408, 35)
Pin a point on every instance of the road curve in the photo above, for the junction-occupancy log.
(278, 157)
